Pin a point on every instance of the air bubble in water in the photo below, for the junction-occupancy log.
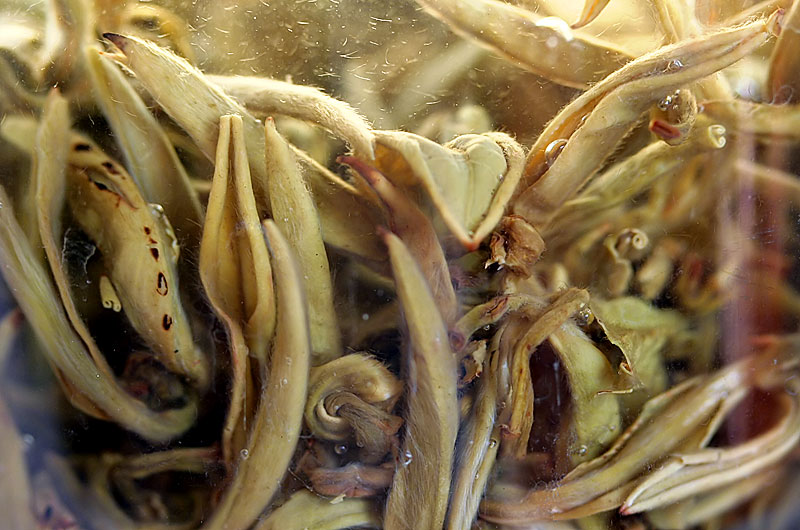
(245, 454)
(340, 449)
(554, 149)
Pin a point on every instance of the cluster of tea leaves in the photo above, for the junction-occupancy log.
(449, 264)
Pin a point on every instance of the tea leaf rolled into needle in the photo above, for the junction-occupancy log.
(477, 446)
(194, 102)
(149, 154)
(197, 104)
(700, 508)
(276, 428)
(426, 458)
(294, 213)
(707, 469)
(269, 96)
(524, 37)
(599, 118)
(64, 348)
(235, 268)
(307, 511)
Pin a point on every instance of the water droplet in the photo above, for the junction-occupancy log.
(487, 327)
(245, 454)
(674, 65)
(492, 443)
(582, 450)
(552, 151)
(365, 316)
(559, 26)
(665, 103)
(406, 458)
(340, 449)
(284, 381)
(585, 316)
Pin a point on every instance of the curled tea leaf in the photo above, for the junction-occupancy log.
(353, 397)
(269, 96)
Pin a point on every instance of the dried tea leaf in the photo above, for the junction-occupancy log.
(235, 269)
(544, 45)
(306, 511)
(469, 180)
(149, 154)
(275, 431)
(268, 96)
(426, 460)
(295, 215)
